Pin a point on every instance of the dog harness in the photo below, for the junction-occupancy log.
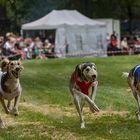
(84, 86)
(136, 72)
(5, 95)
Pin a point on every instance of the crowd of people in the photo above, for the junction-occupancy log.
(127, 45)
(15, 47)
(25, 48)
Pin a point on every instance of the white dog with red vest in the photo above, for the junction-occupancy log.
(83, 78)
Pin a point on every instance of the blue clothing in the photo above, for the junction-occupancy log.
(136, 72)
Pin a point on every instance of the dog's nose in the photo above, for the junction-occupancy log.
(93, 76)
(17, 69)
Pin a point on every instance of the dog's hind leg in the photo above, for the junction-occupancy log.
(9, 105)
(79, 103)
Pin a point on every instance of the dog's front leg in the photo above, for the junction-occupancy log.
(2, 124)
(4, 105)
(93, 94)
(138, 102)
(16, 104)
(94, 91)
(90, 102)
(79, 103)
(9, 105)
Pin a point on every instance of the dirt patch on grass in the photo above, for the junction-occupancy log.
(69, 111)
(50, 109)
(111, 113)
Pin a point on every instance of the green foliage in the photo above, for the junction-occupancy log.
(24, 11)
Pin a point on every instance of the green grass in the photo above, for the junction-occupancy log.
(45, 82)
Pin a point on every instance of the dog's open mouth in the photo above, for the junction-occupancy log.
(93, 79)
(16, 74)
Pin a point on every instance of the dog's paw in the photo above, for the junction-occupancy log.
(82, 125)
(7, 111)
(14, 112)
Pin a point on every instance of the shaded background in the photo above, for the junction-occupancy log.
(14, 13)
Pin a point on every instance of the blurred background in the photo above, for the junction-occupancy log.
(121, 17)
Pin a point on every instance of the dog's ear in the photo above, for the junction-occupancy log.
(79, 69)
(4, 64)
(93, 64)
(21, 66)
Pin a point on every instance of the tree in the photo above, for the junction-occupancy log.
(4, 21)
(83, 6)
(129, 8)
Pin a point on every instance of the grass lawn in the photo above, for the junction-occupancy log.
(44, 108)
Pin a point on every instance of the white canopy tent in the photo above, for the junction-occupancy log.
(75, 33)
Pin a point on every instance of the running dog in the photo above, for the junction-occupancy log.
(133, 78)
(84, 77)
(10, 88)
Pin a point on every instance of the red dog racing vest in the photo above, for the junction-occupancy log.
(84, 86)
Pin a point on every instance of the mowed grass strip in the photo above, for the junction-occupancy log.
(49, 116)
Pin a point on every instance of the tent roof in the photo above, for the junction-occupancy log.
(58, 18)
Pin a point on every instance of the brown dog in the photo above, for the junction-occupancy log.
(10, 87)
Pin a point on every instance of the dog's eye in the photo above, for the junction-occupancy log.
(11, 64)
(87, 69)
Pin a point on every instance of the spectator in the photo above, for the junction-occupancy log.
(19, 51)
(112, 48)
(9, 46)
(114, 35)
(47, 48)
(37, 48)
(136, 45)
(29, 47)
(124, 46)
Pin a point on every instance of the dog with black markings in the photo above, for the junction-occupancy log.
(10, 88)
(133, 78)
(82, 79)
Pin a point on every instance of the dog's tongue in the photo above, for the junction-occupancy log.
(94, 83)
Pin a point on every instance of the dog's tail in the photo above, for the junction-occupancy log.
(125, 74)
